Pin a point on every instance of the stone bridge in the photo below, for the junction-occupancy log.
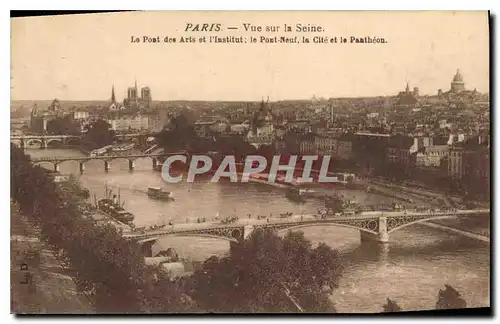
(375, 226)
(106, 158)
(44, 140)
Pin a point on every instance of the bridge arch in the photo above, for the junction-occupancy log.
(332, 223)
(17, 142)
(51, 140)
(404, 223)
(57, 139)
(28, 142)
(40, 163)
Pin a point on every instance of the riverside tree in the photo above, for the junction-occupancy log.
(450, 298)
(267, 273)
(179, 134)
(99, 134)
(391, 307)
(109, 268)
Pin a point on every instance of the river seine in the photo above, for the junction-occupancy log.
(410, 270)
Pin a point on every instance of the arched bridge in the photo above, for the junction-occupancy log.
(44, 140)
(25, 140)
(106, 158)
(372, 225)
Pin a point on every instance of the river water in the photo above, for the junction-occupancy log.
(411, 269)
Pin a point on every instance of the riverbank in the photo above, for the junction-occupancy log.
(39, 283)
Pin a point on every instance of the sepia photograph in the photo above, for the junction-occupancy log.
(250, 162)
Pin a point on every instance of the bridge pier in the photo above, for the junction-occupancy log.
(44, 144)
(82, 167)
(383, 252)
(131, 165)
(56, 167)
(381, 237)
(107, 166)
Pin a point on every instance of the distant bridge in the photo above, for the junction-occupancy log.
(44, 140)
(56, 160)
(372, 225)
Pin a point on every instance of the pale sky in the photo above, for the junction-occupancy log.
(79, 57)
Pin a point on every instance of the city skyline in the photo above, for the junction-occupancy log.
(263, 98)
(76, 60)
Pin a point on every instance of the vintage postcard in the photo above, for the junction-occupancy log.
(250, 162)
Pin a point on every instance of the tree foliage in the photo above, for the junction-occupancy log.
(266, 273)
(99, 134)
(109, 268)
(450, 298)
(180, 134)
(391, 307)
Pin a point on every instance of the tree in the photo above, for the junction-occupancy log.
(109, 268)
(99, 134)
(449, 298)
(267, 273)
(180, 134)
(391, 307)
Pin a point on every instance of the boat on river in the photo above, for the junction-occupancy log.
(101, 151)
(118, 148)
(160, 194)
(112, 206)
(299, 194)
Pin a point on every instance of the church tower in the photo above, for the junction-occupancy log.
(113, 98)
(34, 111)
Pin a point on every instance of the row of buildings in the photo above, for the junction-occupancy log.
(439, 137)
(133, 114)
(463, 161)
